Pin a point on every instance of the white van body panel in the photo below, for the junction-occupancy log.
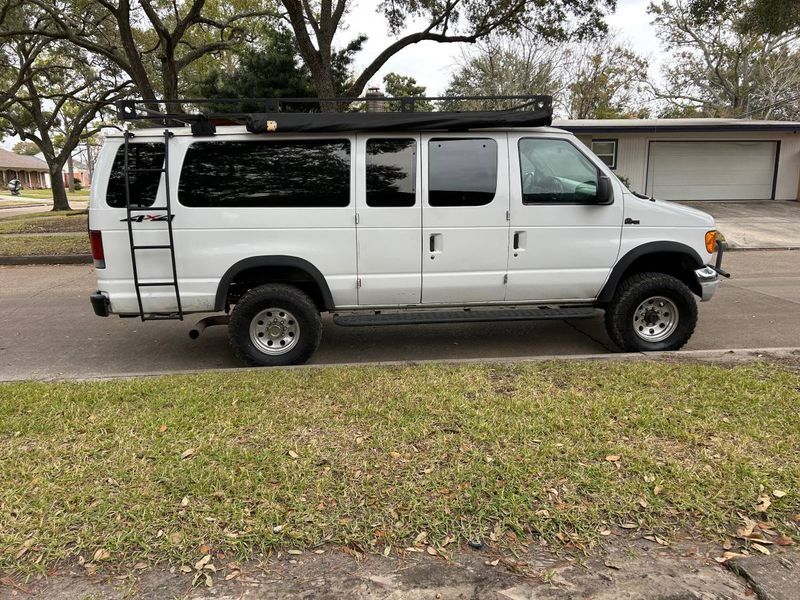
(382, 257)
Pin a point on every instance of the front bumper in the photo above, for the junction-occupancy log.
(709, 276)
(100, 304)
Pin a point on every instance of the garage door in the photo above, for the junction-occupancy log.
(711, 170)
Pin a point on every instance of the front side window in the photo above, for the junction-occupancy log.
(462, 171)
(264, 173)
(391, 172)
(606, 150)
(555, 172)
(144, 161)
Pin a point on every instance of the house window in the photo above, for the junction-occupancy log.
(606, 150)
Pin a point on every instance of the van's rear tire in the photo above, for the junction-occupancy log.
(274, 325)
(651, 312)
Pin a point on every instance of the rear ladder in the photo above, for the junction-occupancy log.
(167, 210)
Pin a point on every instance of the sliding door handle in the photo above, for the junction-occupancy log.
(436, 243)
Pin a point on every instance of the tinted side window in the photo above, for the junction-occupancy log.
(462, 171)
(308, 173)
(143, 186)
(391, 172)
(555, 172)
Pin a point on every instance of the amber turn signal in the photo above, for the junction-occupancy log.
(711, 241)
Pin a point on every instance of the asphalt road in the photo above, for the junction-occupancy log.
(48, 329)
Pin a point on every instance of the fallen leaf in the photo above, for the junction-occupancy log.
(387, 550)
(611, 565)
(232, 575)
(163, 428)
(188, 453)
(319, 551)
(492, 563)
(278, 528)
(778, 493)
(101, 554)
(395, 455)
(760, 548)
(204, 549)
(186, 569)
(294, 552)
(139, 566)
(25, 547)
(612, 458)
(293, 454)
(643, 503)
(629, 526)
(198, 566)
(784, 540)
(658, 489)
(175, 537)
(185, 501)
(605, 532)
(432, 551)
(763, 503)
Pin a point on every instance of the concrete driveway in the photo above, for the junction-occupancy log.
(47, 328)
(756, 224)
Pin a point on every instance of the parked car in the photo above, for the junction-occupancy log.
(387, 220)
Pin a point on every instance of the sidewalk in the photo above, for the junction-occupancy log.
(639, 569)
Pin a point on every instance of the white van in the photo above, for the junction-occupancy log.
(425, 221)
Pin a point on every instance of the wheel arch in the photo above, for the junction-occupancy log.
(257, 270)
(672, 258)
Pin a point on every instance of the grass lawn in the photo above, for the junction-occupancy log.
(44, 244)
(47, 222)
(79, 195)
(176, 467)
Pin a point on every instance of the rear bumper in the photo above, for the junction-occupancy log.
(100, 304)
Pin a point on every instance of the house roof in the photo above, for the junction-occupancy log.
(10, 160)
(76, 166)
(675, 125)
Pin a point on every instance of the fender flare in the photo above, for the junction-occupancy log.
(273, 261)
(607, 293)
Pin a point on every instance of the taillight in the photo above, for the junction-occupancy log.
(96, 239)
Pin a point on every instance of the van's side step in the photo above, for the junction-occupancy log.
(462, 316)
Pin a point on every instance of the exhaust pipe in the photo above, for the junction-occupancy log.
(201, 325)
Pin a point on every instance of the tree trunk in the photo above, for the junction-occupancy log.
(60, 201)
(70, 173)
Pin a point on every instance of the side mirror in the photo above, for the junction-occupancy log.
(605, 191)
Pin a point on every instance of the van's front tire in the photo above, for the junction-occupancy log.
(651, 312)
(274, 325)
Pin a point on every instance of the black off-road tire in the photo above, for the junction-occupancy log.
(635, 290)
(283, 298)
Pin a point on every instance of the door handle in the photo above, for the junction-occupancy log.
(436, 244)
(520, 240)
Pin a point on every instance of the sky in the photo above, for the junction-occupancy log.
(431, 63)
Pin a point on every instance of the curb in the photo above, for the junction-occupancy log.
(47, 259)
(23, 206)
(716, 355)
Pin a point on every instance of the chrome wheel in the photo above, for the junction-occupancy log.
(274, 331)
(655, 319)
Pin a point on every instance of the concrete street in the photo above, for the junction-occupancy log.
(48, 329)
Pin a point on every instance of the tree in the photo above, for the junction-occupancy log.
(763, 16)
(722, 67)
(53, 92)
(316, 23)
(604, 81)
(403, 86)
(25, 148)
(151, 41)
(592, 79)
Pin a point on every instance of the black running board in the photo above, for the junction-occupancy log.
(412, 317)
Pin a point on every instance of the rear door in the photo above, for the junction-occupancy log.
(464, 217)
(389, 216)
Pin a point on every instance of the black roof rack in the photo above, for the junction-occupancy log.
(369, 113)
